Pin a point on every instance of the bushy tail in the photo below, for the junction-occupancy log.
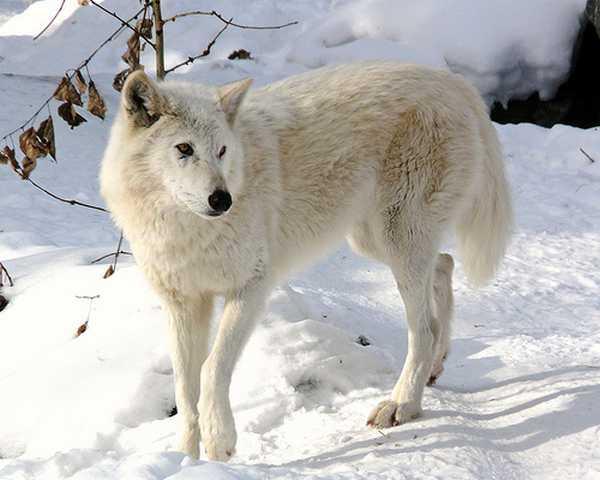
(484, 228)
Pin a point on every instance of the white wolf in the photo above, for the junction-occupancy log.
(223, 191)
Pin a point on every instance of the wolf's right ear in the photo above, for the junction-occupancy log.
(141, 99)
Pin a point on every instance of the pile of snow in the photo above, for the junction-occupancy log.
(9, 8)
(519, 395)
(507, 48)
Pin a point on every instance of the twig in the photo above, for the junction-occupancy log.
(124, 23)
(587, 155)
(65, 200)
(4, 271)
(88, 297)
(103, 257)
(51, 21)
(83, 327)
(83, 64)
(113, 268)
(118, 251)
(205, 53)
(228, 22)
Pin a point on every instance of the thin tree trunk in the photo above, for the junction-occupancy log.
(160, 46)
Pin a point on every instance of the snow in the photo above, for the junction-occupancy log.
(507, 48)
(518, 398)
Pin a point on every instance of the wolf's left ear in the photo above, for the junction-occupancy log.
(141, 99)
(231, 97)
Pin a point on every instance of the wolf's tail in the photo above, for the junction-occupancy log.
(484, 229)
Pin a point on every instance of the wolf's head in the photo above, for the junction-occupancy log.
(185, 136)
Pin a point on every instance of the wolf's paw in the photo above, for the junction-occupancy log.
(436, 372)
(189, 442)
(389, 414)
(219, 449)
(218, 436)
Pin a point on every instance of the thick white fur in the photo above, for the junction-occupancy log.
(389, 156)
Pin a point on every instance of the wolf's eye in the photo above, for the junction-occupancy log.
(185, 149)
(222, 151)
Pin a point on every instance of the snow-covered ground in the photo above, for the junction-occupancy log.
(519, 397)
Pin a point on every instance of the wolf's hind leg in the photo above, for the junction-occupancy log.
(443, 302)
(411, 250)
(189, 325)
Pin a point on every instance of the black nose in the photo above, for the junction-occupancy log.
(219, 200)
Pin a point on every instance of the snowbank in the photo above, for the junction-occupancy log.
(507, 48)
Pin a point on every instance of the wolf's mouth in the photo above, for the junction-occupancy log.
(214, 213)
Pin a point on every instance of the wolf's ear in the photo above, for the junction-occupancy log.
(141, 99)
(231, 96)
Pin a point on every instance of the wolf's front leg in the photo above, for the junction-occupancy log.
(242, 309)
(189, 330)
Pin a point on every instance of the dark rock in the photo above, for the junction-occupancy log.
(592, 12)
(3, 303)
(577, 101)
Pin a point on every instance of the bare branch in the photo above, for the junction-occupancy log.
(108, 255)
(51, 21)
(124, 23)
(65, 200)
(118, 251)
(20, 172)
(589, 157)
(228, 22)
(205, 52)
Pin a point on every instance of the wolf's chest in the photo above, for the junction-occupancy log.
(189, 262)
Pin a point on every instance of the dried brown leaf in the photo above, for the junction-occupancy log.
(82, 328)
(31, 145)
(109, 271)
(240, 54)
(132, 56)
(80, 82)
(3, 158)
(45, 133)
(68, 93)
(83, 3)
(68, 113)
(120, 78)
(144, 26)
(96, 105)
(29, 165)
(9, 153)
